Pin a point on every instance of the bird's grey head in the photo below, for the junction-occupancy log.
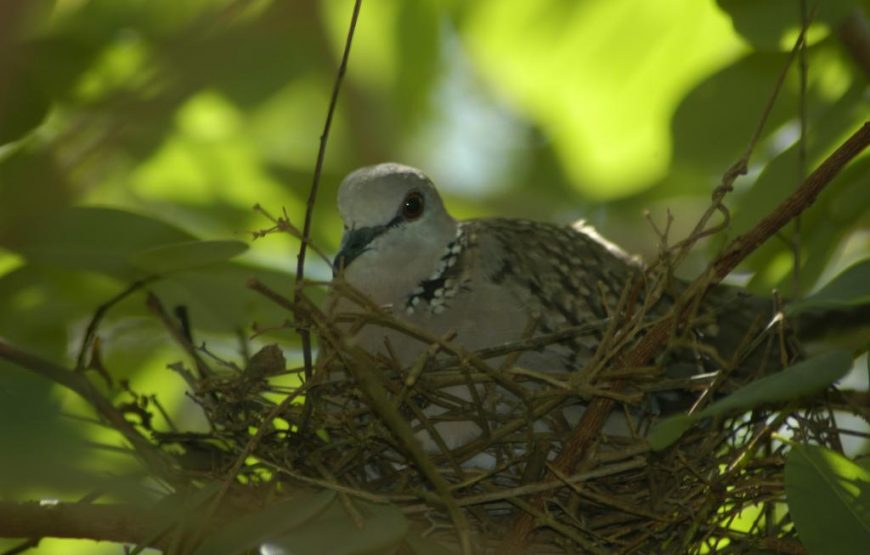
(395, 230)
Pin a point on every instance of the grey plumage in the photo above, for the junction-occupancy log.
(487, 281)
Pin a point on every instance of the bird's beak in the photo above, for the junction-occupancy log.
(354, 242)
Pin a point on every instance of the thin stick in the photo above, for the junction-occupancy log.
(101, 311)
(304, 334)
(740, 167)
(599, 408)
(80, 385)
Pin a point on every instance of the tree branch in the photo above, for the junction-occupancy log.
(600, 407)
(304, 334)
(100, 522)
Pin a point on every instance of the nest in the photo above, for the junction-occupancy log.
(367, 428)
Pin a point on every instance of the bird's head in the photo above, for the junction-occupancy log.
(395, 230)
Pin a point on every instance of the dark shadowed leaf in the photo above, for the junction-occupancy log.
(850, 288)
(186, 255)
(425, 546)
(773, 24)
(829, 500)
(782, 175)
(796, 381)
(23, 105)
(334, 532)
(98, 239)
(803, 378)
(32, 435)
(670, 430)
(250, 531)
(178, 508)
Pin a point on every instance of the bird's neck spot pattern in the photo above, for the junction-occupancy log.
(445, 282)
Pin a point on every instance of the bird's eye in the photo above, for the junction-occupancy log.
(412, 207)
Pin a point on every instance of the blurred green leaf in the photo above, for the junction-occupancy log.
(555, 61)
(826, 222)
(794, 382)
(782, 175)
(425, 546)
(23, 104)
(98, 239)
(335, 532)
(829, 500)
(186, 255)
(739, 93)
(179, 508)
(32, 190)
(218, 299)
(251, 530)
(417, 41)
(32, 434)
(773, 24)
(850, 288)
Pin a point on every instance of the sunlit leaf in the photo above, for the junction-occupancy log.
(557, 64)
(189, 254)
(829, 500)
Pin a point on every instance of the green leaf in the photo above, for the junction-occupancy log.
(383, 529)
(803, 378)
(829, 500)
(850, 288)
(98, 239)
(738, 92)
(523, 49)
(186, 255)
(175, 509)
(773, 24)
(313, 524)
(24, 105)
(781, 175)
(670, 430)
(424, 546)
(253, 529)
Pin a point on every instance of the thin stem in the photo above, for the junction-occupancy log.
(315, 184)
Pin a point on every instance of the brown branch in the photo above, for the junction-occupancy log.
(600, 408)
(149, 525)
(741, 166)
(304, 334)
(101, 522)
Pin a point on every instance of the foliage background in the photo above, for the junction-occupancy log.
(183, 114)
